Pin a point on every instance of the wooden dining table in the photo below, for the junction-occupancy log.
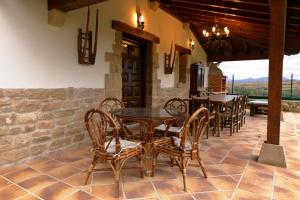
(148, 116)
(217, 101)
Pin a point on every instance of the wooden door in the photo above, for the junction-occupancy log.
(133, 77)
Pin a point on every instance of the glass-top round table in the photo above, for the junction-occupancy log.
(148, 116)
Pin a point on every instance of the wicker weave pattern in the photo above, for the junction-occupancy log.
(192, 133)
(109, 148)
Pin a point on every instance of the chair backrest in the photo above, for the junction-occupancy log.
(198, 103)
(194, 128)
(176, 106)
(110, 104)
(98, 123)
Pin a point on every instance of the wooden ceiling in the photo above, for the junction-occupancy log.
(248, 21)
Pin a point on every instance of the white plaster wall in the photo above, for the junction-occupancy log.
(34, 54)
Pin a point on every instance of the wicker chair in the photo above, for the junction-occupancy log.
(111, 104)
(174, 106)
(212, 114)
(107, 148)
(186, 147)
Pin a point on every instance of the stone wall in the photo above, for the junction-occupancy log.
(35, 122)
(290, 106)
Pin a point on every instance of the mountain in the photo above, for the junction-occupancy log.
(254, 80)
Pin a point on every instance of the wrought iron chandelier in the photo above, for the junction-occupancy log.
(216, 32)
(216, 38)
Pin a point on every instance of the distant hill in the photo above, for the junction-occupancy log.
(254, 80)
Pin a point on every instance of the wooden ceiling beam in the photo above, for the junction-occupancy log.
(220, 11)
(225, 5)
(68, 5)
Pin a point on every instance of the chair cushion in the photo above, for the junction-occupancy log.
(177, 141)
(173, 129)
(125, 144)
(132, 125)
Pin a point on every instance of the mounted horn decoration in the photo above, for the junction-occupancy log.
(168, 65)
(86, 52)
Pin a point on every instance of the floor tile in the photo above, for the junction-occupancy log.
(55, 191)
(287, 183)
(21, 175)
(29, 197)
(281, 193)
(78, 179)
(244, 195)
(211, 196)
(4, 182)
(80, 195)
(11, 192)
(63, 172)
(139, 190)
(47, 165)
(106, 192)
(200, 185)
(178, 197)
(37, 183)
(168, 187)
(223, 182)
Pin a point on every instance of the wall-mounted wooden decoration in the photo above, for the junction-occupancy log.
(169, 63)
(86, 51)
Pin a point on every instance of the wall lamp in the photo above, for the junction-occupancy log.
(140, 20)
(192, 44)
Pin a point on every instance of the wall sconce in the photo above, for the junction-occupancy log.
(140, 20)
(192, 44)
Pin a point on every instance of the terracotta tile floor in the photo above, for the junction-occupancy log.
(229, 160)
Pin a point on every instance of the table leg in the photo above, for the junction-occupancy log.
(149, 150)
(218, 119)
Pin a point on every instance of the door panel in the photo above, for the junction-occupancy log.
(133, 81)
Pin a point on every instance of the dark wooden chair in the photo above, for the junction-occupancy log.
(174, 106)
(186, 147)
(229, 117)
(196, 104)
(107, 148)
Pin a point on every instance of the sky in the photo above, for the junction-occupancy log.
(260, 68)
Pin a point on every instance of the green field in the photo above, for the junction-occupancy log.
(261, 89)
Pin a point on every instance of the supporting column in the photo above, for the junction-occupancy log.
(271, 152)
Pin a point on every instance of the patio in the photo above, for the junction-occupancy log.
(232, 170)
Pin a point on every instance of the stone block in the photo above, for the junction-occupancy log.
(4, 101)
(15, 155)
(58, 132)
(50, 106)
(4, 130)
(38, 149)
(41, 139)
(45, 124)
(63, 121)
(26, 106)
(59, 143)
(44, 116)
(14, 93)
(78, 138)
(26, 118)
(83, 93)
(37, 93)
(41, 133)
(64, 113)
(21, 140)
(73, 131)
(58, 94)
(28, 128)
